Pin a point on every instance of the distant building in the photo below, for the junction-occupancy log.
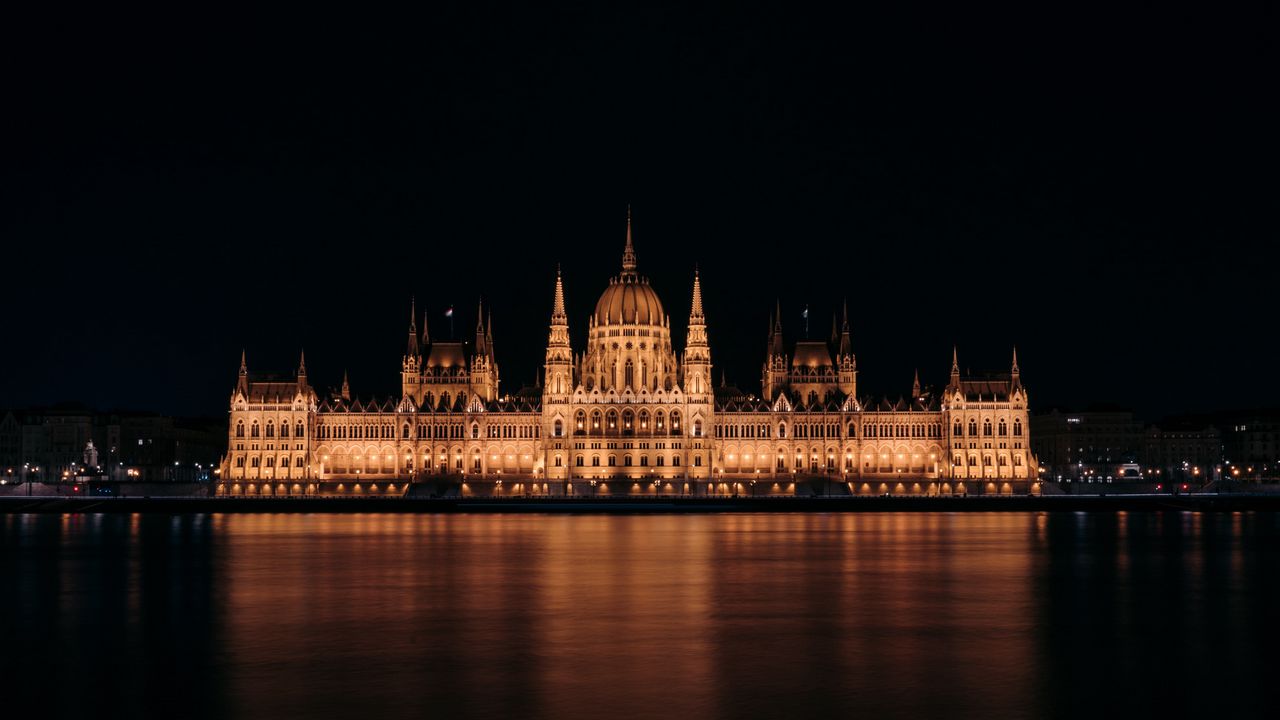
(628, 414)
(1096, 444)
(1251, 443)
(52, 443)
(1185, 449)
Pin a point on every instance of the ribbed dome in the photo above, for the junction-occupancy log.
(629, 300)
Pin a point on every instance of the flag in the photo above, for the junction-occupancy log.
(449, 313)
(806, 312)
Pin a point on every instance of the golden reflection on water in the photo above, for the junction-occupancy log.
(589, 616)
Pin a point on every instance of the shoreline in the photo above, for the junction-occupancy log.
(1054, 503)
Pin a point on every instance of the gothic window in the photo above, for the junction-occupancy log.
(253, 431)
(644, 420)
(958, 461)
(284, 429)
(612, 418)
(644, 372)
(239, 462)
(253, 462)
(1004, 428)
(559, 461)
(697, 428)
(852, 430)
(475, 431)
(580, 421)
(958, 431)
(271, 429)
(986, 427)
(475, 463)
(973, 460)
(626, 460)
(613, 460)
(973, 428)
(404, 431)
(675, 421)
(628, 422)
(284, 461)
(240, 429)
(1017, 428)
(578, 461)
(559, 428)
(595, 421)
(659, 421)
(595, 461)
(782, 430)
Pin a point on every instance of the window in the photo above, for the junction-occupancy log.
(660, 460)
(986, 427)
(239, 462)
(578, 461)
(644, 460)
(253, 462)
(284, 429)
(697, 428)
(1017, 428)
(240, 429)
(253, 431)
(595, 461)
(782, 430)
(1004, 428)
(559, 461)
(475, 431)
(613, 460)
(404, 431)
(559, 428)
(973, 428)
(271, 430)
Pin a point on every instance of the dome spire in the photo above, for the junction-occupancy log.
(629, 252)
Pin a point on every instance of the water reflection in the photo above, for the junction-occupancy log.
(555, 616)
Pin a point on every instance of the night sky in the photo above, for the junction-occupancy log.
(1097, 188)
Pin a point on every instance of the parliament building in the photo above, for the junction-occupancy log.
(628, 414)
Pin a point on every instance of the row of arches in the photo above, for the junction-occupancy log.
(630, 422)
(1000, 429)
(268, 429)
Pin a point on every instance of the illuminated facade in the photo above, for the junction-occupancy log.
(628, 415)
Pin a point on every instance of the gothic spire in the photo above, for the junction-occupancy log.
(346, 388)
(1015, 372)
(411, 348)
(955, 363)
(426, 337)
(915, 385)
(697, 295)
(629, 252)
(557, 310)
(302, 364)
(777, 349)
(244, 369)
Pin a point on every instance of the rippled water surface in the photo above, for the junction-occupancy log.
(620, 616)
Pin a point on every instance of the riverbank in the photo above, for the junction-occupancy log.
(1069, 503)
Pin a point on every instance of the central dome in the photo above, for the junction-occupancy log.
(629, 300)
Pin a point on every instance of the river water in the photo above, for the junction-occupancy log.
(621, 616)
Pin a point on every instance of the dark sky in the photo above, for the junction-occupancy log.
(1097, 187)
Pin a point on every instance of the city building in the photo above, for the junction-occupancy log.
(628, 413)
(1099, 444)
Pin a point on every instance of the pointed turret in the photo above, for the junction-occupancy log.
(846, 344)
(242, 382)
(488, 333)
(302, 364)
(412, 349)
(777, 349)
(346, 387)
(557, 307)
(697, 353)
(835, 335)
(1015, 373)
(426, 336)
(915, 385)
(480, 348)
(629, 252)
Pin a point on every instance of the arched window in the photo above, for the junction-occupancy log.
(297, 430)
(958, 431)
(973, 428)
(404, 431)
(253, 431)
(271, 429)
(1003, 428)
(595, 421)
(240, 429)
(239, 462)
(253, 462)
(612, 418)
(595, 461)
(580, 422)
(644, 420)
(675, 421)
(1017, 428)
(697, 428)
(578, 461)
(986, 427)
(626, 460)
(629, 375)
(659, 421)
(782, 430)
(284, 429)
(852, 430)
(628, 422)
(558, 429)
(475, 431)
